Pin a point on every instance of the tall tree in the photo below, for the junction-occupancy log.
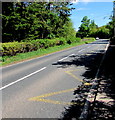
(84, 28)
(22, 20)
(92, 25)
(7, 24)
(111, 26)
(93, 29)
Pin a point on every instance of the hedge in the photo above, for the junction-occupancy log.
(12, 48)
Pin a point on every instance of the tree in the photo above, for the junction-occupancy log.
(93, 29)
(84, 28)
(111, 26)
(103, 32)
(32, 20)
(7, 23)
(92, 25)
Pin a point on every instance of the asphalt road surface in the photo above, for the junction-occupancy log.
(43, 87)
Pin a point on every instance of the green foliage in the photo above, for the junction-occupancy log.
(13, 48)
(40, 52)
(90, 29)
(111, 26)
(84, 28)
(101, 32)
(92, 25)
(71, 40)
(45, 20)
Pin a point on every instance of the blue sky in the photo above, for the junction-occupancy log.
(97, 11)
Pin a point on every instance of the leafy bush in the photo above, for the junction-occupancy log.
(88, 38)
(12, 48)
(73, 40)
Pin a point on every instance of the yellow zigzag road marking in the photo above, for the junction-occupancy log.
(68, 72)
(55, 93)
(71, 74)
(41, 98)
(54, 102)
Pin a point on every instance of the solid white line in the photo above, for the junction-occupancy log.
(66, 57)
(71, 55)
(63, 58)
(36, 58)
(22, 78)
(81, 50)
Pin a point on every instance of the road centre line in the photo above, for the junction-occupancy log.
(22, 78)
(37, 58)
(66, 57)
(34, 72)
(81, 50)
(72, 54)
(63, 58)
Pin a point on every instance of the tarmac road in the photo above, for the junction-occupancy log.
(44, 87)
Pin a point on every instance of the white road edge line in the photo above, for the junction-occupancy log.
(22, 78)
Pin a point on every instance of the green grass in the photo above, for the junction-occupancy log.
(6, 60)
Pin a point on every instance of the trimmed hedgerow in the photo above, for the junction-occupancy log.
(12, 48)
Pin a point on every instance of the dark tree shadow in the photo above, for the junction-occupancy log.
(91, 61)
(106, 110)
(101, 42)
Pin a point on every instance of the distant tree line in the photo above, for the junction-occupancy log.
(35, 20)
(88, 28)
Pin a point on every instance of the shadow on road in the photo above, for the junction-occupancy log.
(106, 110)
(91, 62)
(100, 42)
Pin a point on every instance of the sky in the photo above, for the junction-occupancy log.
(97, 11)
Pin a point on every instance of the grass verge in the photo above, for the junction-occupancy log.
(6, 60)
